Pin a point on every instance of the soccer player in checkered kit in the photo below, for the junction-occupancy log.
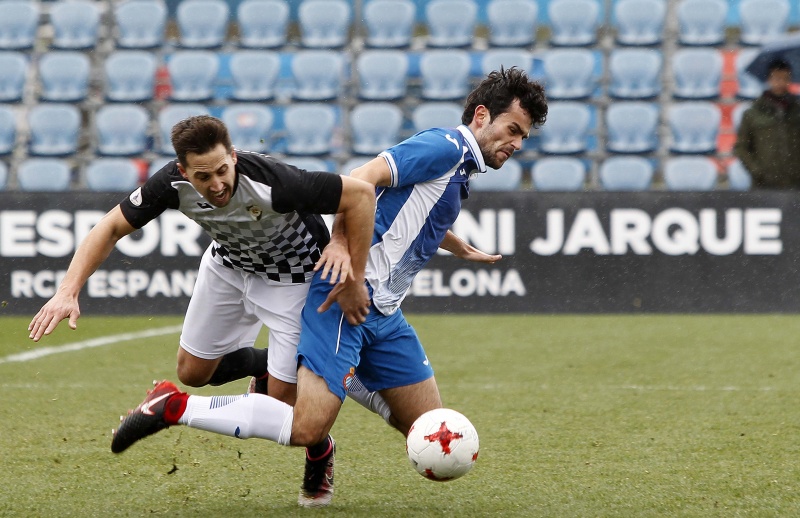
(379, 361)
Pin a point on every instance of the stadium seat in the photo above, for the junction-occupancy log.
(254, 74)
(436, 115)
(352, 163)
(639, 22)
(574, 22)
(19, 20)
(309, 128)
(249, 125)
(635, 73)
(382, 75)
(157, 164)
(54, 129)
(697, 73)
(317, 75)
(558, 174)
(111, 175)
(8, 130)
(569, 74)
(739, 178)
(748, 85)
(140, 24)
(130, 76)
(702, 22)
(202, 24)
(121, 129)
(389, 23)
(3, 176)
(738, 112)
(451, 23)
(44, 175)
(632, 127)
(690, 173)
(567, 128)
(64, 76)
(512, 23)
(762, 20)
(13, 74)
(171, 115)
(507, 178)
(193, 74)
(375, 127)
(493, 59)
(626, 173)
(694, 127)
(324, 23)
(445, 74)
(262, 24)
(75, 24)
(308, 163)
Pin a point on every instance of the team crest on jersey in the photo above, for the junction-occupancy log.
(136, 197)
(348, 378)
(255, 212)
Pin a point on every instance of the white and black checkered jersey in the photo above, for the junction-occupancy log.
(270, 227)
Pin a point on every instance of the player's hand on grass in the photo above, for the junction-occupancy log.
(54, 311)
(353, 298)
(335, 261)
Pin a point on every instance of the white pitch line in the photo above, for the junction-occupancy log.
(88, 344)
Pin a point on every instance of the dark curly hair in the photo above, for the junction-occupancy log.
(499, 90)
(199, 134)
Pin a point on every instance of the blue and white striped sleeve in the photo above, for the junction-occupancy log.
(424, 157)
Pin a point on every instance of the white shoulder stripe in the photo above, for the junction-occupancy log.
(392, 167)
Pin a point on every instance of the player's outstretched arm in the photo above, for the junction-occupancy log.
(460, 248)
(91, 253)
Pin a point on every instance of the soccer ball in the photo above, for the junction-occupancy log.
(442, 444)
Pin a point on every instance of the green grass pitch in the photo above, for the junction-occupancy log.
(629, 416)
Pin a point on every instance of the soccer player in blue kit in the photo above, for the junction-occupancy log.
(419, 187)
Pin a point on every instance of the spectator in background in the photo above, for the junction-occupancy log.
(768, 140)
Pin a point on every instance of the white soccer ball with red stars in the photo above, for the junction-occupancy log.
(442, 444)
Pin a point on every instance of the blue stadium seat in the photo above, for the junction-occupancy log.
(317, 75)
(639, 22)
(262, 24)
(493, 59)
(702, 22)
(130, 76)
(574, 22)
(382, 75)
(112, 175)
(389, 23)
(157, 164)
(121, 129)
(558, 174)
(738, 112)
(54, 129)
(193, 74)
(19, 20)
(64, 76)
(697, 73)
(44, 175)
(507, 178)
(748, 85)
(171, 115)
(690, 173)
(567, 128)
(451, 23)
(75, 24)
(140, 24)
(8, 130)
(309, 128)
(445, 74)
(694, 126)
(375, 127)
(632, 127)
(626, 173)
(202, 24)
(436, 115)
(13, 73)
(635, 73)
(739, 178)
(254, 74)
(569, 73)
(3, 176)
(762, 20)
(308, 163)
(324, 23)
(512, 23)
(249, 125)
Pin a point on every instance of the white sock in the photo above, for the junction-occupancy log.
(244, 416)
(372, 401)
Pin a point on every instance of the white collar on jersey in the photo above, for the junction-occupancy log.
(473, 146)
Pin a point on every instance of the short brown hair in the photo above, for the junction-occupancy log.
(500, 89)
(199, 134)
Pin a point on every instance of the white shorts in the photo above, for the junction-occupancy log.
(228, 308)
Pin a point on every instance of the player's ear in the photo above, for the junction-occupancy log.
(482, 117)
(233, 156)
(182, 170)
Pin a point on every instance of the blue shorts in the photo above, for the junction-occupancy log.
(384, 352)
